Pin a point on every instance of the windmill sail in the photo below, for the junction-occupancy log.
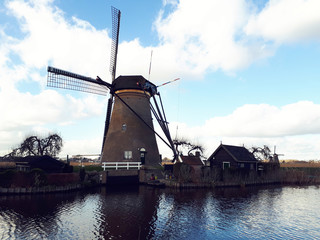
(159, 114)
(67, 80)
(116, 14)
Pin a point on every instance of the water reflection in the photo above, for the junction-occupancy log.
(127, 213)
(142, 212)
(35, 216)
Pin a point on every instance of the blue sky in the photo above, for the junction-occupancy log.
(249, 70)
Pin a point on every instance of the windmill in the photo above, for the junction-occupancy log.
(129, 134)
(275, 156)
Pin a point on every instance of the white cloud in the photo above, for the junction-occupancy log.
(25, 113)
(24, 109)
(82, 147)
(294, 128)
(75, 45)
(50, 38)
(209, 35)
(268, 121)
(263, 120)
(133, 59)
(196, 36)
(286, 21)
(231, 35)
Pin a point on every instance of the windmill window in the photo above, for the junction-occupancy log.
(127, 154)
(124, 127)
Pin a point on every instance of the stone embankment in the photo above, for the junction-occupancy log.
(175, 184)
(45, 189)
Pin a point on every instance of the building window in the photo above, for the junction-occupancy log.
(225, 165)
(127, 155)
(241, 165)
(124, 127)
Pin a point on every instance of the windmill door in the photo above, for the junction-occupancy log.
(143, 153)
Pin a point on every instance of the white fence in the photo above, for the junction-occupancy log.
(121, 165)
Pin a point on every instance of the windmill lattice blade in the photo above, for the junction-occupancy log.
(62, 79)
(115, 40)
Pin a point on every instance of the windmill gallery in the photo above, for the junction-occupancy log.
(129, 135)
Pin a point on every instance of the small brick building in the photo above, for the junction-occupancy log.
(195, 163)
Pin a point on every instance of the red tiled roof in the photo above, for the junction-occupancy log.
(191, 160)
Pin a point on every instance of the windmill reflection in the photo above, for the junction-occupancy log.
(127, 213)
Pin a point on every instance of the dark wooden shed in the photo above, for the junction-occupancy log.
(46, 163)
(235, 157)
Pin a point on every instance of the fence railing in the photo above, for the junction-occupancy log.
(121, 165)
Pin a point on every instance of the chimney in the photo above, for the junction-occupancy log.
(197, 154)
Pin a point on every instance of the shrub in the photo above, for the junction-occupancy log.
(7, 177)
(88, 168)
(209, 175)
(182, 172)
(38, 177)
(82, 174)
(67, 168)
(62, 179)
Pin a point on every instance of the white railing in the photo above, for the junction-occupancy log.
(121, 165)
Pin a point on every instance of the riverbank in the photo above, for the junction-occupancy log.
(282, 176)
(34, 182)
(167, 183)
(72, 182)
(45, 189)
(175, 184)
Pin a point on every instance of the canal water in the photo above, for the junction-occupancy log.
(142, 212)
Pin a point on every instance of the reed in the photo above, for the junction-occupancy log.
(300, 164)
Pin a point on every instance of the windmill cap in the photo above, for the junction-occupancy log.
(134, 82)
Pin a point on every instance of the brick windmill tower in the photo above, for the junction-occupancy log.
(129, 134)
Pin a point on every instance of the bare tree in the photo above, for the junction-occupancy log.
(261, 154)
(36, 146)
(182, 143)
